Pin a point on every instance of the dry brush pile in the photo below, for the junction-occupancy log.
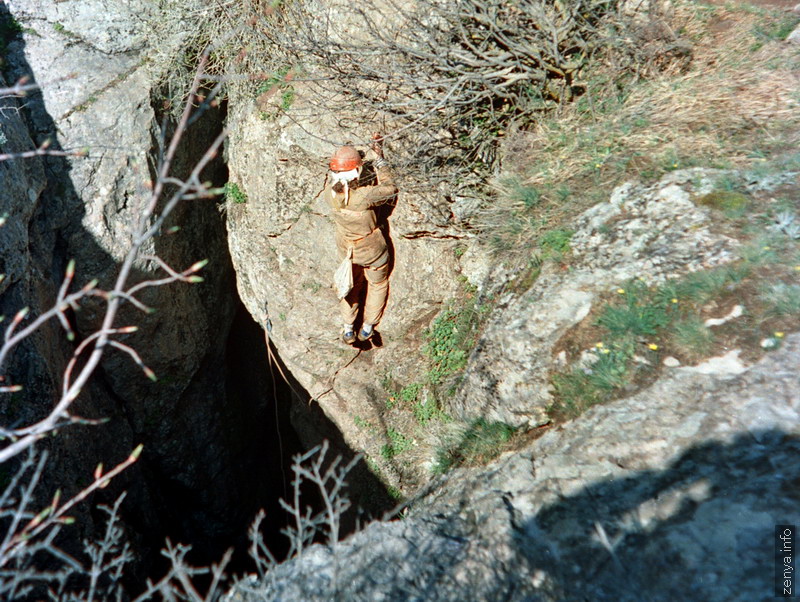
(446, 81)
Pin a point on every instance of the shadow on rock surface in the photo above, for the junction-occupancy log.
(702, 529)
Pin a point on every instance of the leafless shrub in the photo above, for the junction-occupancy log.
(446, 80)
(31, 561)
(328, 480)
(179, 582)
(108, 557)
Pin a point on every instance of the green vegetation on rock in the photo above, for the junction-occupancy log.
(480, 443)
(234, 194)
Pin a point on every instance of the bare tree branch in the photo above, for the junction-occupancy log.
(149, 225)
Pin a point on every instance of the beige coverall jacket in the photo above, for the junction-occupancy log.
(357, 227)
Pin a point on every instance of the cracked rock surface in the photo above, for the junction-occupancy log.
(282, 245)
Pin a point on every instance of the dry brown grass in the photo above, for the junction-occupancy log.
(735, 105)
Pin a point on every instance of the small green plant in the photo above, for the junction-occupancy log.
(407, 395)
(529, 196)
(612, 370)
(59, 27)
(234, 194)
(398, 443)
(700, 287)
(428, 409)
(446, 343)
(361, 423)
(632, 321)
(410, 394)
(312, 285)
(574, 393)
(287, 98)
(373, 466)
(639, 316)
(394, 493)
(527, 276)
(555, 243)
(278, 84)
(692, 337)
(452, 335)
(584, 386)
(775, 30)
(481, 442)
(670, 160)
(733, 204)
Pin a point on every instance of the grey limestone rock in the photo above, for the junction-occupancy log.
(794, 37)
(672, 494)
(649, 232)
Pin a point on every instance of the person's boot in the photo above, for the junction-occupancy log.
(366, 332)
(349, 335)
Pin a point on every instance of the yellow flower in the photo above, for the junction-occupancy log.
(653, 346)
(674, 300)
(599, 345)
(674, 165)
(797, 267)
(598, 165)
(621, 291)
(779, 335)
(766, 248)
(604, 351)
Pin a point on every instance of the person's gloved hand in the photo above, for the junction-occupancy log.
(377, 144)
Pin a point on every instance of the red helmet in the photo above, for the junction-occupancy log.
(345, 159)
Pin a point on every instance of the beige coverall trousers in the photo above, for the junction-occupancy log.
(377, 283)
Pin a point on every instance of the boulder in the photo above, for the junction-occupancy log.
(650, 232)
(673, 493)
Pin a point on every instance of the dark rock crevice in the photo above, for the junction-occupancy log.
(220, 427)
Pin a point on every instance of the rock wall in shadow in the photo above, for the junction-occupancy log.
(215, 426)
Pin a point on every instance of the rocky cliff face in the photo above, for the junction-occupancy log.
(673, 493)
(283, 251)
(668, 493)
(202, 423)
